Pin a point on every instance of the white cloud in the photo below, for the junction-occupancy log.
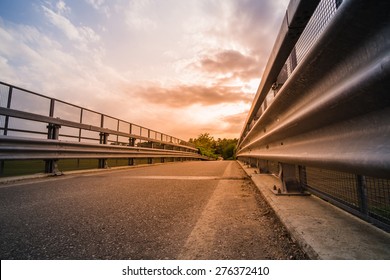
(100, 6)
(62, 8)
(137, 15)
(82, 34)
(30, 58)
(96, 3)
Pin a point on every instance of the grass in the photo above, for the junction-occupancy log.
(28, 167)
(22, 167)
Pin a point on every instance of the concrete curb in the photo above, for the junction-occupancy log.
(323, 230)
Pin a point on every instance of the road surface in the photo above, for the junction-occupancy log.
(189, 210)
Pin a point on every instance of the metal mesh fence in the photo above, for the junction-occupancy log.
(369, 196)
(325, 10)
(378, 198)
(319, 20)
(273, 167)
(339, 185)
(267, 166)
(316, 25)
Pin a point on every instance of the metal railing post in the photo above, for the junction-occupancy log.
(8, 107)
(2, 163)
(302, 177)
(362, 193)
(103, 141)
(117, 136)
(131, 142)
(81, 121)
(5, 131)
(53, 132)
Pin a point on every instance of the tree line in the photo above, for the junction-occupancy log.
(220, 148)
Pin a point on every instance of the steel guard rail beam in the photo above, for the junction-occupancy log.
(333, 111)
(14, 148)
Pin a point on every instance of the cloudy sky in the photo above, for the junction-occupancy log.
(182, 67)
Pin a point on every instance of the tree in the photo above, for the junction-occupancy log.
(227, 147)
(208, 146)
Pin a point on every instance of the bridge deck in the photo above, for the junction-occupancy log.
(191, 210)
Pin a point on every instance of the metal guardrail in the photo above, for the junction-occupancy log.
(323, 102)
(35, 126)
(13, 148)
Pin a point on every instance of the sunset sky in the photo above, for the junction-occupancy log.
(181, 67)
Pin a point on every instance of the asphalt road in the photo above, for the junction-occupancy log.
(190, 210)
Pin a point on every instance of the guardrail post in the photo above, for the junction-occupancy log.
(131, 142)
(8, 107)
(103, 140)
(81, 121)
(51, 165)
(117, 129)
(1, 167)
(6, 121)
(290, 182)
(362, 193)
(53, 131)
(302, 177)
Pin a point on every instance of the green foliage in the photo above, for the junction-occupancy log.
(221, 148)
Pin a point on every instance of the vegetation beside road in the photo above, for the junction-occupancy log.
(220, 148)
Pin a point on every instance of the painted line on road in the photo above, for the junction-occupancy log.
(153, 177)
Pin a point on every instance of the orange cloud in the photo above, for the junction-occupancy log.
(229, 62)
(234, 123)
(187, 95)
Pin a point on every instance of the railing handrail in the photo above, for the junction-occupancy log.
(61, 122)
(43, 118)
